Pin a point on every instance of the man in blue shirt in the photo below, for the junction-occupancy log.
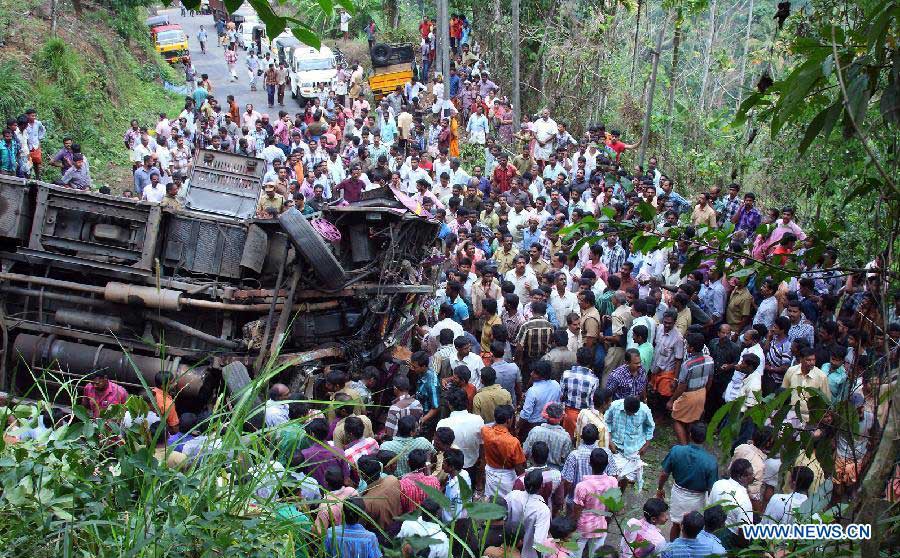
(455, 82)
(631, 428)
(543, 390)
(351, 540)
(689, 545)
(460, 309)
(693, 471)
(142, 175)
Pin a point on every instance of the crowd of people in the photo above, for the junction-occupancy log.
(541, 374)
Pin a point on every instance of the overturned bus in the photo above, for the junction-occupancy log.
(209, 293)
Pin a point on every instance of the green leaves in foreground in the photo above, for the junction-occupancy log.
(840, 74)
(275, 23)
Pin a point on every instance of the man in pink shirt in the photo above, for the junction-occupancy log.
(592, 526)
(100, 393)
(594, 264)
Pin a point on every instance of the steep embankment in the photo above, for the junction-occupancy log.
(88, 82)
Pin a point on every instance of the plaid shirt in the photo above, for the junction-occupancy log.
(578, 464)
(556, 438)
(411, 494)
(402, 447)
(803, 329)
(623, 384)
(404, 405)
(728, 207)
(629, 432)
(695, 371)
(613, 258)
(360, 448)
(534, 338)
(578, 387)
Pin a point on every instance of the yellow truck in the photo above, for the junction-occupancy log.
(172, 43)
(392, 65)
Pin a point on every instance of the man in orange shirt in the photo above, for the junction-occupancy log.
(165, 403)
(460, 378)
(503, 455)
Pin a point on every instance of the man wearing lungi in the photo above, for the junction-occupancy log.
(631, 428)
(693, 470)
(545, 130)
(503, 455)
(688, 400)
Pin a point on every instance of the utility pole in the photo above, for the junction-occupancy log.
(444, 29)
(517, 109)
(645, 136)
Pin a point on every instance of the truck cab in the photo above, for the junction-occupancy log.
(309, 69)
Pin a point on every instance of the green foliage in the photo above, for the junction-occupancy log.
(92, 94)
(471, 155)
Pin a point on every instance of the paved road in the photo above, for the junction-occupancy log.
(213, 64)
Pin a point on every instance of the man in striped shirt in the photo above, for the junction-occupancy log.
(404, 405)
(689, 399)
(533, 340)
(577, 388)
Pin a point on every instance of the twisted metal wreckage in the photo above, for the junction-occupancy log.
(96, 282)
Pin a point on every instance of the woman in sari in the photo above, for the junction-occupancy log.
(454, 136)
(504, 114)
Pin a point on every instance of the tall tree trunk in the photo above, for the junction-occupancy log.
(634, 50)
(673, 74)
(707, 56)
(391, 12)
(516, 77)
(645, 136)
(740, 92)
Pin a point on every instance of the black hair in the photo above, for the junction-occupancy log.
(406, 426)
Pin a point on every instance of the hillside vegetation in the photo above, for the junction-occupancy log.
(88, 82)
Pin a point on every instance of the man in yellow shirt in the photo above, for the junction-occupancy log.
(269, 200)
(806, 375)
(506, 255)
(703, 215)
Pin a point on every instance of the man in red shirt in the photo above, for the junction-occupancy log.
(100, 393)
(504, 174)
(617, 145)
(455, 32)
(352, 186)
(425, 27)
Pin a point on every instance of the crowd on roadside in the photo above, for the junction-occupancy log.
(541, 374)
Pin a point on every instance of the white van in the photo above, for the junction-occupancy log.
(309, 68)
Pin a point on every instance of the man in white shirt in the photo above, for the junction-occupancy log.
(446, 321)
(412, 174)
(522, 277)
(732, 493)
(423, 526)
(563, 301)
(442, 164)
(750, 341)
(155, 191)
(271, 153)
(782, 507)
(276, 408)
(465, 425)
(528, 509)
(545, 130)
(465, 357)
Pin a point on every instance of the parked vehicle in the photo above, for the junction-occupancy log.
(311, 70)
(155, 22)
(172, 43)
